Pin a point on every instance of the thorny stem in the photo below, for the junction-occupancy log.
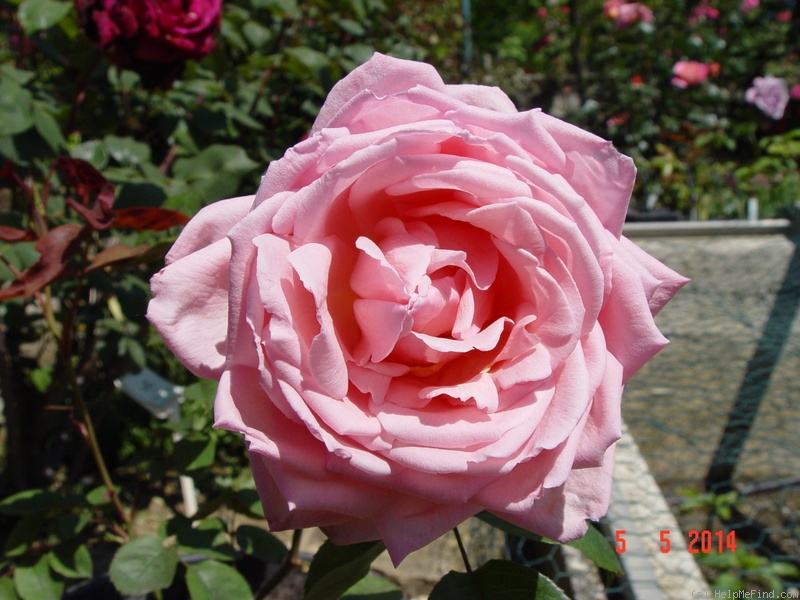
(262, 86)
(292, 562)
(91, 438)
(65, 338)
(463, 550)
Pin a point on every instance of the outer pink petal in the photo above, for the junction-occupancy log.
(382, 76)
(561, 513)
(210, 224)
(483, 96)
(595, 169)
(411, 523)
(189, 308)
(627, 316)
(659, 281)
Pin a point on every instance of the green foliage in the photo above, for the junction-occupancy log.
(336, 569)
(719, 505)
(210, 579)
(743, 570)
(615, 80)
(143, 565)
(497, 580)
(593, 545)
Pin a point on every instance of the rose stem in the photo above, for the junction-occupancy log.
(463, 550)
(292, 561)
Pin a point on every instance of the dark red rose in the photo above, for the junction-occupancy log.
(152, 37)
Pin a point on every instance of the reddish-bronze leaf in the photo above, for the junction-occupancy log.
(82, 177)
(101, 214)
(7, 172)
(56, 248)
(12, 234)
(95, 194)
(117, 253)
(148, 219)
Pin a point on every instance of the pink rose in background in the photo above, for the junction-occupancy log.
(748, 5)
(625, 14)
(426, 311)
(704, 11)
(794, 93)
(691, 72)
(770, 94)
(152, 37)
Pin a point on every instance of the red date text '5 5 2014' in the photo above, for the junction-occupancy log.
(698, 542)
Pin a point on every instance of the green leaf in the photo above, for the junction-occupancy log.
(335, 569)
(71, 560)
(37, 15)
(374, 588)
(23, 535)
(174, 525)
(48, 127)
(192, 454)
(36, 500)
(258, 35)
(126, 151)
(257, 542)
(41, 378)
(7, 590)
(211, 580)
(313, 60)
(93, 152)
(15, 106)
(202, 391)
(68, 525)
(497, 580)
(99, 496)
(503, 525)
(594, 546)
(207, 538)
(214, 173)
(35, 581)
(247, 502)
(142, 566)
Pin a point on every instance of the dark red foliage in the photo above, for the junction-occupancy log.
(56, 248)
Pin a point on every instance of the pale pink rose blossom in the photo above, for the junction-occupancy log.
(770, 94)
(427, 310)
(691, 72)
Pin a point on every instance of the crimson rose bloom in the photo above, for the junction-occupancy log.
(426, 311)
(152, 37)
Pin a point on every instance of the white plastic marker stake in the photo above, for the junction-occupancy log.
(163, 399)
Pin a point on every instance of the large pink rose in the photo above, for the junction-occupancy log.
(153, 37)
(426, 311)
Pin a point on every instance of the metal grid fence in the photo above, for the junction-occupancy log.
(716, 416)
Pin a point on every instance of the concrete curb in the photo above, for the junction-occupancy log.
(638, 507)
(696, 228)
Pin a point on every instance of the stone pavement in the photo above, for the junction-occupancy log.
(678, 405)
